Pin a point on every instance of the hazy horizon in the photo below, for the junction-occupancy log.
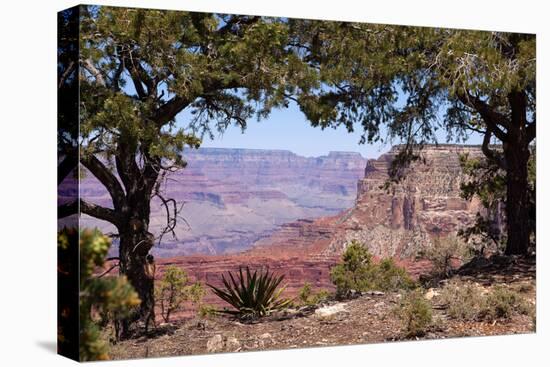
(288, 129)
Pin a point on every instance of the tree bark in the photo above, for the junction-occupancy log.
(516, 154)
(517, 200)
(134, 247)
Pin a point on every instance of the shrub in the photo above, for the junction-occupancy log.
(415, 313)
(99, 296)
(443, 252)
(467, 301)
(252, 294)
(464, 300)
(174, 289)
(358, 272)
(504, 303)
(321, 296)
(207, 311)
(308, 297)
(387, 276)
(305, 293)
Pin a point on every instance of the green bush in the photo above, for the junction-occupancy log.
(174, 289)
(358, 272)
(443, 252)
(206, 311)
(321, 296)
(503, 303)
(100, 297)
(305, 293)
(467, 301)
(308, 297)
(252, 295)
(464, 300)
(415, 313)
(387, 276)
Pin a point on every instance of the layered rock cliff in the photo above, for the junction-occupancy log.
(398, 221)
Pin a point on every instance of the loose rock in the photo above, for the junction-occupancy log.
(215, 344)
(330, 310)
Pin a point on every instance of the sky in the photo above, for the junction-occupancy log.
(288, 129)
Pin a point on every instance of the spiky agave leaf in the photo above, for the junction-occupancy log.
(252, 294)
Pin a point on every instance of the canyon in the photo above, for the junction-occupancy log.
(231, 198)
(397, 221)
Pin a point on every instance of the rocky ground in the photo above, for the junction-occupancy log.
(367, 319)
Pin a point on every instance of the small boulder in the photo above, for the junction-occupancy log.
(219, 343)
(232, 344)
(431, 293)
(327, 311)
(215, 344)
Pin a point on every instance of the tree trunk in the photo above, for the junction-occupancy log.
(135, 264)
(517, 198)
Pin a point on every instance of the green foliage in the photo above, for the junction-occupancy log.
(174, 289)
(415, 313)
(365, 67)
(470, 302)
(98, 296)
(503, 303)
(443, 252)
(355, 270)
(305, 293)
(143, 66)
(252, 295)
(390, 277)
(359, 272)
(308, 297)
(464, 300)
(206, 311)
(67, 292)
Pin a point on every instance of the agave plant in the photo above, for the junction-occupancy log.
(252, 295)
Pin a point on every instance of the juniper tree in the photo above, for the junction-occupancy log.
(139, 69)
(407, 82)
(100, 297)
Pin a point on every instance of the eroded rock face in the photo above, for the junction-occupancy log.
(426, 204)
(395, 222)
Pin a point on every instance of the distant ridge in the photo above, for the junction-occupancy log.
(216, 150)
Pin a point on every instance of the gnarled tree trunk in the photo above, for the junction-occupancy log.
(135, 244)
(517, 198)
(516, 155)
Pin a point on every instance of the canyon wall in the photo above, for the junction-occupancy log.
(397, 221)
(233, 197)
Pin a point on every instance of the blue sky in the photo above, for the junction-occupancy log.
(288, 129)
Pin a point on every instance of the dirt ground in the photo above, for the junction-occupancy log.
(367, 319)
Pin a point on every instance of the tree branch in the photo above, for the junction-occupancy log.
(106, 177)
(100, 212)
(89, 65)
(66, 74)
(170, 109)
(491, 117)
(491, 154)
(67, 209)
(107, 271)
(127, 167)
